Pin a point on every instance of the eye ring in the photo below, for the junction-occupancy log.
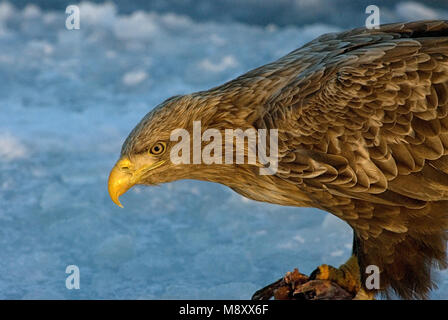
(157, 149)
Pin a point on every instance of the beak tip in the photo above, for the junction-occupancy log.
(118, 184)
(117, 201)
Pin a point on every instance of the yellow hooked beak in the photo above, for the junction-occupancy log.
(123, 176)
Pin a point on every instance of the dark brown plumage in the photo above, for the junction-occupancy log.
(363, 133)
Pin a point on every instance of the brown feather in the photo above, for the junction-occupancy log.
(362, 118)
(385, 93)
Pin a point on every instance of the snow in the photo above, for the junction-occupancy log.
(133, 78)
(11, 148)
(31, 11)
(68, 100)
(414, 10)
(225, 63)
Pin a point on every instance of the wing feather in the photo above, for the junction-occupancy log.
(381, 104)
(363, 132)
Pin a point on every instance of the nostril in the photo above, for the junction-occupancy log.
(124, 165)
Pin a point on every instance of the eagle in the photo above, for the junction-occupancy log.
(361, 120)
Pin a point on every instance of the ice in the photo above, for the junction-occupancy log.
(68, 99)
(133, 78)
(414, 10)
(7, 10)
(31, 11)
(11, 148)
(104, 14)
(225, 63)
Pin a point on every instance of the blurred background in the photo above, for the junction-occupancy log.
(69, 98)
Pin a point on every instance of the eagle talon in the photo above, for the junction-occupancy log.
(321, 273)
(346, 276)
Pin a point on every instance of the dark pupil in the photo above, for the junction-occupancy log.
(156, 149)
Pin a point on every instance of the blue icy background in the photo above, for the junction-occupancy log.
(68, 99)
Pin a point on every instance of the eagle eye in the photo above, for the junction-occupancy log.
(157, 149)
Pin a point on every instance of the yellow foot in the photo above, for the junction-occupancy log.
(363, 294)
(346, 276)
(338, 275)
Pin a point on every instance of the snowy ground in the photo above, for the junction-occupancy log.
(69, 98)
